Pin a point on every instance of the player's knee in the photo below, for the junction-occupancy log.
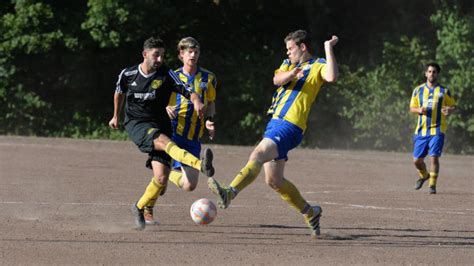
(189, 186)
(274, 183)
(161, 179)
(417, 161)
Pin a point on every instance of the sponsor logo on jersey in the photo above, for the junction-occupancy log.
(145, 96)
(155, 84)
(133, 83)
(203, 85)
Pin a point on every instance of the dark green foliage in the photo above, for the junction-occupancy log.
(59, 61)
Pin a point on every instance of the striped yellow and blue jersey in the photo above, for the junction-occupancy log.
(187, 123)
(292, 101)
(434, 122)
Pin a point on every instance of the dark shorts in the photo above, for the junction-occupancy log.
(286, 136)
(423, 144)
(142, 133)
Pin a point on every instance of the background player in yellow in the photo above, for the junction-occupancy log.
(432, 102)
(146, 89)
(187, 126)
(299, 79)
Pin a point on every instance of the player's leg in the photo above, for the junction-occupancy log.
(265, 151)
(434, 170)
(436, 147)
(274, 177)
(152, 191)
(164, 143)
(185, 178)
(189, 179)
(420, 150)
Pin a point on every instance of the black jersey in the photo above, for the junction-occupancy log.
(146, 96)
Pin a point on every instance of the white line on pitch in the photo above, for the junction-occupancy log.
(78, 203)
(390, 208)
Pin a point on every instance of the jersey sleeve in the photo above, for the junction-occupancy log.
(211, 90)
(414, 102)
(121, 85)
(178, 85)
(448, 99)
(322, 67)
(285, 66)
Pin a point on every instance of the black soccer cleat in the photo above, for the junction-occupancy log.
(138, 217)
(206, 163)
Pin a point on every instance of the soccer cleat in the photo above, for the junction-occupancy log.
(433, 190)
(206, 163)
(138, 217)
(419, 183)
(224, 194)
(313, 221)
(148, 215)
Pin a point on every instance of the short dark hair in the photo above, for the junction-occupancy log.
(299, 37)
(435, 65)
(153, 42)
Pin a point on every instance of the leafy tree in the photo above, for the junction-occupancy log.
(455, 53)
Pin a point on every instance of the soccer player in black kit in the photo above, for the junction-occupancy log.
(146, 90)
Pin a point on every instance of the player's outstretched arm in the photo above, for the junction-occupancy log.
(331, 73)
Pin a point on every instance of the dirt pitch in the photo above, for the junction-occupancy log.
(68, 202)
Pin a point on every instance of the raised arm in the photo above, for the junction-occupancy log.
(331, 72)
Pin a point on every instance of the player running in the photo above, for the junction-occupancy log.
(188, 127)
(146, 89)
(432, 103)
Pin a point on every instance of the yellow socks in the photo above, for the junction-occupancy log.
(246, 176)
(423, 174)
(176, 177)
(182, 156)
(289, 193)
(151, 193)
(433, 178)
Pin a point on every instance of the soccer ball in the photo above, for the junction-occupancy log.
(203, 211)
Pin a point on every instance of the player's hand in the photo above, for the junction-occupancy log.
(171, 110)
(447, 110)
(113, 123)
(210, 126)
(297, 72)
(423, 110)
(330, 43)
(199, 108)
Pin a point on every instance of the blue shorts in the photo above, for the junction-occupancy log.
(422, 144)
(285, 134)
(192, 146)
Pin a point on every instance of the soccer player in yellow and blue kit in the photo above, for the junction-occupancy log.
(188, 127)
(299, 79)
(432, 103)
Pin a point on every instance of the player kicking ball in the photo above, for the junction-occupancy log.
(299, 79)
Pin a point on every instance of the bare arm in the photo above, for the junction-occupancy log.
(198, 105)
(210, 125)
(331, 73)
(283, 77)
(118, 104)
(418, 110)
